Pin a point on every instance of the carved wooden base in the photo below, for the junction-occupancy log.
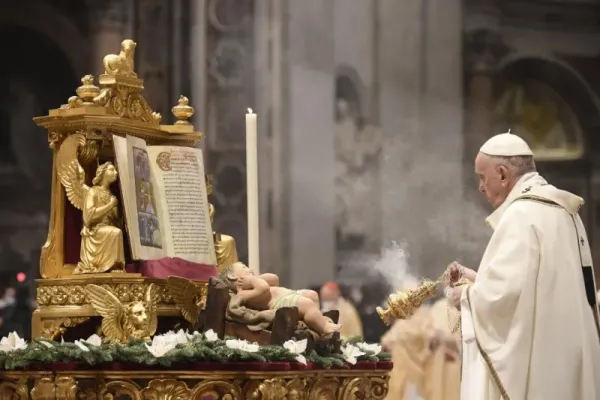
(63, 304)
(213, 385)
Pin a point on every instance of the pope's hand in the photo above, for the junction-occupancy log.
(456, 272)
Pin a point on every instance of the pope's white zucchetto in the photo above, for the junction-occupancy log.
(506, 145)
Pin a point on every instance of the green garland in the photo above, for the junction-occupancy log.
(198, 349)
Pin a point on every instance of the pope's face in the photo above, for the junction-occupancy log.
(493, 180)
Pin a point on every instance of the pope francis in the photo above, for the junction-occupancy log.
(529, 315)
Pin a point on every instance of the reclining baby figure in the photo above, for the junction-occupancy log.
(263, 293)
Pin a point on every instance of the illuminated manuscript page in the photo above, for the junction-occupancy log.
(180, 182)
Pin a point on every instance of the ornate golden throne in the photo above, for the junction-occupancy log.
(115, 107)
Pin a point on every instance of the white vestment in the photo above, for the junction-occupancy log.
(527, 326)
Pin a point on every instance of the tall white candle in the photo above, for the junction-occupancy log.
(252, 192)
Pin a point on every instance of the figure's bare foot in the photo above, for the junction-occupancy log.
(330, 328)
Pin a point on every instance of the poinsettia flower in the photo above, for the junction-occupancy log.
(12, 342)
(211, 335)
(297, 348)
(94, 340)
(193, 335)
(161, 345)
(179, 337)
(369, 347)
(83, 347)
(242, 345)
(351, 353)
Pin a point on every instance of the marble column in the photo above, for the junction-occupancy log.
(310, 150)
(198, 64)
(421, 115)
(109, 22)
(400, 74)
(154, 54)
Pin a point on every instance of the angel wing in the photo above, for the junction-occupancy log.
(151, 299)
(70, 172)
(185, 293)
(110, 308)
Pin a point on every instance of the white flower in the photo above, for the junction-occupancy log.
(369, 347)
(297, 348)
(193, 335)
(179, 337)
(79, 343)
(242, 345)
(12, 342)
(94, 340)
(351, 353)
(161, 345)
(47, 344)
(211, 336)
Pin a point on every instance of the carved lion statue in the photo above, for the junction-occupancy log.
(120, 322)
(121, 64)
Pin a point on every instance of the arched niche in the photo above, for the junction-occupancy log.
(36, 76)
(550, 106)
(53, 25)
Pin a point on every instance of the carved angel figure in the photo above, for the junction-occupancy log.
(121, 322)
(188, 297)
(101, 239)
(121, 64)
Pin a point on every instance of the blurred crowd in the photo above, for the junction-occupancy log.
(16, 307)
(425, 351)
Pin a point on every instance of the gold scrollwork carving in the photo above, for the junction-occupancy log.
(379, 387)
(166, 389)
(324, 389)
(76, 295)
(356, 388)
(170, 385)
(217, 390)
(55, 139)
(66, 388)
(53, 327)
(118, 389)
(43, 389)
(270, 389)
(14, 389)
(297, 389)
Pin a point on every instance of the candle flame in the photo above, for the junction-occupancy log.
(249, 111)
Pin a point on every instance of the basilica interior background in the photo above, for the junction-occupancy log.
(370, 114)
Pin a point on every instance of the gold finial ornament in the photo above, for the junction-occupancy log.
(122, 322)
(121, 64)
(183, 111)
(101, 239)
(87, 91)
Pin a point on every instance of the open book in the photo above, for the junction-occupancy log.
(165, 201)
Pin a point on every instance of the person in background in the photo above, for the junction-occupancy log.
(8, 299)
(331, 299)
(17, 317)
(426, 355)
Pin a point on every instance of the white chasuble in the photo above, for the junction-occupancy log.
(528, 329)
